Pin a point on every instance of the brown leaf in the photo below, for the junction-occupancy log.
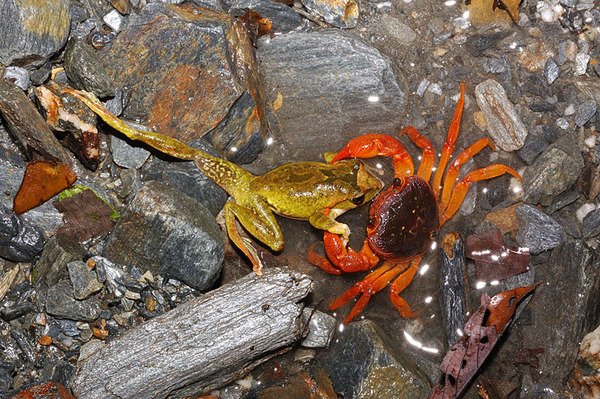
(481, 333)
(85, 215)
(42, 181)
(494, 259)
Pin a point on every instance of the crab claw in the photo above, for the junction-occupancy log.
(375, 144)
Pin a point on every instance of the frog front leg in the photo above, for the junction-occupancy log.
(325, 220)
(258, 219)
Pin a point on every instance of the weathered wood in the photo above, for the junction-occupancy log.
(204, 343)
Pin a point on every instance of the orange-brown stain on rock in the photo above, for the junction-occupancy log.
(35, 15)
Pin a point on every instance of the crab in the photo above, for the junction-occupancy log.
(404, 217)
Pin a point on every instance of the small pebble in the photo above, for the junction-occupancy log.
(590, 142)
(551, 71)
(570, 110)
(562, 123)
(114, 20)
(581, 63)
(585, 112)
(583, 211)
(423, 85)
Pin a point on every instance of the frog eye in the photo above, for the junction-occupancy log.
(358, 200)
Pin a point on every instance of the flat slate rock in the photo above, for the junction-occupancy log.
(356, 86)
(186, 67)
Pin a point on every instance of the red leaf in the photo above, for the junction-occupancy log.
(42, 181)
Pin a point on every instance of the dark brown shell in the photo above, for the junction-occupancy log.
(403, 219)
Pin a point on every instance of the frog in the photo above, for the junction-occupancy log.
(317, 192)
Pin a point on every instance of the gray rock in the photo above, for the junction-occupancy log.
(19, 241)
(339, 13)
(170, 234)
(186, 177)
(52, 264)
(321, 327)
(362, 364)
(402, 33)
(84, 281)
(585, 112)
(19, 76)
(60, 303)
(495, 65)
(581, 63)
(31, 32)
(503, 123)
(126, 155)
(282, 17)
(552, 173)
(551, 71)
(590, 227)
(117, 280)
(533, 147)
(86, 70)
(538, 231)
(562, 311)
(360, 94)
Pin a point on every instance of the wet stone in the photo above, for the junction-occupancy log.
(86, 70)
(538, 231)
(362, 364)
(401, 32)
(170, 234)
(585, 112)
(127, 155)
(533, 147)
(477, 45)
(495, 65)
(562, 311)
(282, 17)
(552, 173)
(339, 13)
(186, 177)
(32, 31)
(58, 252)
(320, 329)
(590, 227)
(27, 126)
(551, 71)
(60, 303)
(19, 76)
(186, 88)
(503, 123)
(19, 241)
(361, 94)
(84, 281)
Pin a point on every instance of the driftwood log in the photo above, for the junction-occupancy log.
(202, 344)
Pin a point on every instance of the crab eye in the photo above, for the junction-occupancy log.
(397, 182)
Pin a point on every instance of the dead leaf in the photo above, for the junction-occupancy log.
(42, 181)
(48, 390)
(481, 333)
(86, 215)
(494, 259)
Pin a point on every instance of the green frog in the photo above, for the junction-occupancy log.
(313, 191)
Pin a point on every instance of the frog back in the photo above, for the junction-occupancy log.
(299, 189)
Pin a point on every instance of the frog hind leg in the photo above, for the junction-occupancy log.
(260, 222)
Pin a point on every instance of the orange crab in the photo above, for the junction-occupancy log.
(404, 217)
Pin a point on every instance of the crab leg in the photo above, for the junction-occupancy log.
(450, 141)
(459, 192)
(341, 258)
(374, 144)
(454, 168)
(367, 287)
(400, 284)
(428, 154)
